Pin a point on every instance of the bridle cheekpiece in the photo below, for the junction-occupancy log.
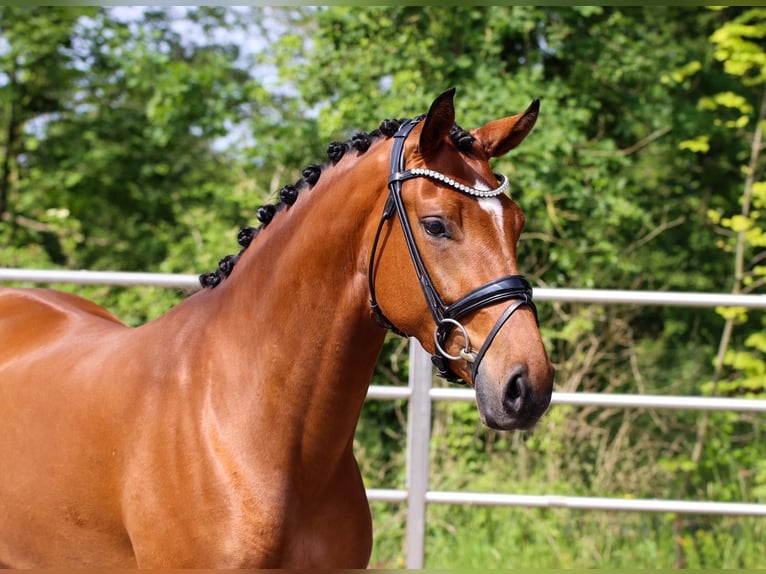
(446, 317)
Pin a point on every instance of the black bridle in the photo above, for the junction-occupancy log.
(446, 317)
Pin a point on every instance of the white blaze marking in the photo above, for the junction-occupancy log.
(493, 206)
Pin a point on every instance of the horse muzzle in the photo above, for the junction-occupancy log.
(516, 403)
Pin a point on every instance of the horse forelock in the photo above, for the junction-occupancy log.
(310, 175)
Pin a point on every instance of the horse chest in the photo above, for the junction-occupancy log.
(255, 520)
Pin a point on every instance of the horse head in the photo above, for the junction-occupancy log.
(443, 266)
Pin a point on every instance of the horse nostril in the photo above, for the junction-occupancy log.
(517, 390)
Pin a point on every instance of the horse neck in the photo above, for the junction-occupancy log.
(293, 322)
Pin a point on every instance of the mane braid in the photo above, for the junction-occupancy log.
(288, 195)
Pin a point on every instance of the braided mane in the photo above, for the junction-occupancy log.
(288, 195)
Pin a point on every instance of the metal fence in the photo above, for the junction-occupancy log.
(420, 395)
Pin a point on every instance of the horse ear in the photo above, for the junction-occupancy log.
(439, 122)
(501, 136)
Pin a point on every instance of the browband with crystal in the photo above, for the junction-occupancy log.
(422, 172)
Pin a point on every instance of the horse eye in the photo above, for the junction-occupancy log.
(434, 227)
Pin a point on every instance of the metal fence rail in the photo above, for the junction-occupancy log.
(574, 502)
(420, 395)
(583, 399)
(603, 296)
(118, 278)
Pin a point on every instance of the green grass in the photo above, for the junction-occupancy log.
(469, 537)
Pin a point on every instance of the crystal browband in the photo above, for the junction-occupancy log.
(502, 188)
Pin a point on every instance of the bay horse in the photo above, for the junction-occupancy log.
(220, 434)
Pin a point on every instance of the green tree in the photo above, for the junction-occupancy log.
(115, 151)
(38, 79)
(724, 445)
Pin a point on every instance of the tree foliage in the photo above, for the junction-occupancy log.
(129, 143)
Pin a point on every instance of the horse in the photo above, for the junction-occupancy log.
(220, 434)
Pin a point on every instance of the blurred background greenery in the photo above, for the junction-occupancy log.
(141, 139)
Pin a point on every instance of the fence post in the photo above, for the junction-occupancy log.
(418, 441)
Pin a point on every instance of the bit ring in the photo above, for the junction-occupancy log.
(466, 354)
